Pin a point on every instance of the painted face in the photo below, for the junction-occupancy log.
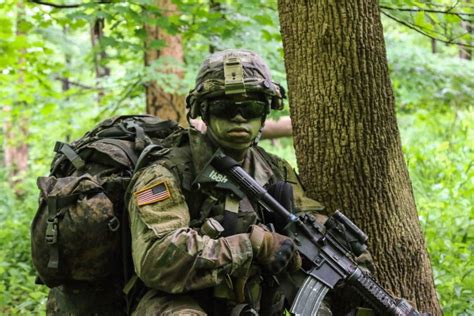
(236, 133)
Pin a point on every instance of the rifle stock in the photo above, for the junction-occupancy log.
(327, 248)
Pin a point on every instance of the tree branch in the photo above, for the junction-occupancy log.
(417, 29)
(67, 6)
(448, 11)
(73, 83)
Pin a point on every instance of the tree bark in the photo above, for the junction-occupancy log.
(346, 135)
(159, 102)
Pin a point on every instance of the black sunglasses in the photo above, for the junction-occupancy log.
(227, 109)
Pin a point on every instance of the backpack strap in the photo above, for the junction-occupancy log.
(271, 162)
(52, 232)
(56, 206)
(141, 139)
(143, 160)
(70, 154)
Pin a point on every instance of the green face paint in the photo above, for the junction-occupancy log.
(235, 134)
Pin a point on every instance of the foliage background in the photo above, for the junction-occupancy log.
(40, 45)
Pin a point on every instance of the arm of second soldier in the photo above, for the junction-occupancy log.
(170, 256)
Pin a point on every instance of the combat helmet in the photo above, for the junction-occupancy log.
(233, 71)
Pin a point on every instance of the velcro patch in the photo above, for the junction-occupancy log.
(155, 192)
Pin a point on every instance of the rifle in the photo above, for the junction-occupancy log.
(329, 248)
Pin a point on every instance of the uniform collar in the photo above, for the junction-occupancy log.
(202, 151)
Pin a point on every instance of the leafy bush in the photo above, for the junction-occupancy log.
(435, 115)
(441, 168)
(20, 294)
(425, 80)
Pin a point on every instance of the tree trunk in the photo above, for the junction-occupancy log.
(16, 150)
(434, 49)
(99, 55)
(15, 125)
(215, 7)
(159, 102)
(347, 140)
(465, 52)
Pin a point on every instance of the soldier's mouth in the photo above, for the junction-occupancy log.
(239, 131)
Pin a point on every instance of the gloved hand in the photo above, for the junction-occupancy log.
(366, 262)
(273, 251)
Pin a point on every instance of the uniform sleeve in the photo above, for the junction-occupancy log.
(167, 254)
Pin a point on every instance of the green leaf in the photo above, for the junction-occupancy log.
(108, 41)
(48, 109)
(264, 19)
(158, 44)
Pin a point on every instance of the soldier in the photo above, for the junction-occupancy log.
(197, 248)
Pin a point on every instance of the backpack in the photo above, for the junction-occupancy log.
(77, 233)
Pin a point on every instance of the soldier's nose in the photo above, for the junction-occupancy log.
(238, 118)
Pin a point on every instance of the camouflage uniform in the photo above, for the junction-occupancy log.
(195, 245)
(181, 265)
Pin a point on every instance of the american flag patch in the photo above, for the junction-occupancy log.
(155, 192)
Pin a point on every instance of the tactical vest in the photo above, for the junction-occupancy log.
(205, 201)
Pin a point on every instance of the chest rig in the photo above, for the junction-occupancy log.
(207, 197)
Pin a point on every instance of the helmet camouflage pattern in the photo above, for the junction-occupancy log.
(234, 71)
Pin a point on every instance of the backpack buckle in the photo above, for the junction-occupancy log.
(114, 224)
(52, 230)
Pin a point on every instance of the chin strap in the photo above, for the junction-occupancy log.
(260, 131)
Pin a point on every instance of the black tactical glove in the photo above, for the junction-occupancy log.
(273, 251)
(366, 262)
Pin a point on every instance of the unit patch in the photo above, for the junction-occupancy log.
(155, 192)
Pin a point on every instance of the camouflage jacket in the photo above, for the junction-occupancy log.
(168, 204)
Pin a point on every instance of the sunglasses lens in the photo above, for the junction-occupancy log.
(220, 108)
(227, 109)
(252, 109)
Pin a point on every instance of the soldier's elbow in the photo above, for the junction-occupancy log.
(155, 280)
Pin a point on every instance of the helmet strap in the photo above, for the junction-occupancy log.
(203, 110)
(260, 131)
(189, 118)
